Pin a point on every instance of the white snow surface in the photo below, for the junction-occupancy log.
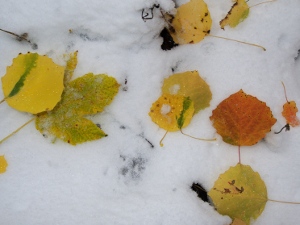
(121, 179)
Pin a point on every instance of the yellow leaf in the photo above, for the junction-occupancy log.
(83, 96)
(239, 193)
(33, 83)
(3, 164)
(172, 112)
(189, 84)
(191, 23)
(238, 12)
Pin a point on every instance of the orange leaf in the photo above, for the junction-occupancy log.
(289, 113)
(242, 119)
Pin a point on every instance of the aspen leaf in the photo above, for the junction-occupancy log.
(172, 112)
(238, 12)
(242, 119)
(33, 83)
(239, 193)
(191, 23)
(189, 84)
(3, 164)
(83, 96)
(289, 113)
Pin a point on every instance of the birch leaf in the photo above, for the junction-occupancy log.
(33, 83)
(172, 112)
(191, 23)
(289, 113)
(242, 119)
(83, 96)
(239, 193)
(189, 84)
(238, 12)
(3, 164)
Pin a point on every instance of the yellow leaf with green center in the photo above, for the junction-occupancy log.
(238, 12)
(191, 23)
(3, 164)
(172, 112)
(239, 193)
(83, 96)
(33, 83)
(189, 84)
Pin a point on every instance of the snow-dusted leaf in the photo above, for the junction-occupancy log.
(238, 12)
(191, 23)
(83, 96)
(189, 84)
(33, 83)
(242, 119)
(3, 164)
(172, 112)
(239, 193)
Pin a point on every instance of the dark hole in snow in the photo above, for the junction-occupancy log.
(168, 42)
(201, 192)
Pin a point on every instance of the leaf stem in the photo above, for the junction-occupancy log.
(201, 139)
(285, 202)
(17, 130)
(243, 42)
(261, 3)
(239, 152)
(161, 140)
(3, 100)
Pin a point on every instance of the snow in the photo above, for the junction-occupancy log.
(122, 179)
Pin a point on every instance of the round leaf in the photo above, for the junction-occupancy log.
(33, 83)
(239, 193)
(189, 84)
(242, 119)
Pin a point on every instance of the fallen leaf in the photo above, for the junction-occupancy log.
(33, 83)
(191, 23)
(238, 12)
(289, 113)
(3, 164)
(172, 112)
(242, 119)
(239, 193)
(83, 96)
(189, 84)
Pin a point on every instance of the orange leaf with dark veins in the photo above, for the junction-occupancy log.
(242, 119)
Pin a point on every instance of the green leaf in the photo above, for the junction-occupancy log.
(239, 193)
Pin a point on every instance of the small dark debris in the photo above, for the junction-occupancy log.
(201, 192)
(168, 42)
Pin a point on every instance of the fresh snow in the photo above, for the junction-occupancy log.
(121, 179)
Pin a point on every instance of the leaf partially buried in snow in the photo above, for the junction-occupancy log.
(238, 12)
(189, 84)
(83, 96)
(191, 23)
(242, 119)
(3, 164)
(289, 113)
(33, 83)
(239, 193)
(172, 112)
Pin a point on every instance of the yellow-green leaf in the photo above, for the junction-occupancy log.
(238, 12)
(172, 112)
(191, 23)
(83, 96)
(189, 84)
(239, 193)
(33, 83)
(3, 164)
